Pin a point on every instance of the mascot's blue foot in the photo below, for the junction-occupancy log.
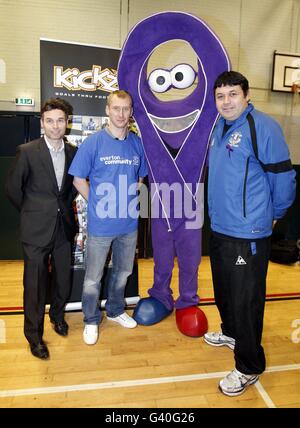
(150, 311)
(191, 321)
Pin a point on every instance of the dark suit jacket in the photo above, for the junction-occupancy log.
(32, 187)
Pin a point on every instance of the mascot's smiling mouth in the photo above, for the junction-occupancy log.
(174, 124)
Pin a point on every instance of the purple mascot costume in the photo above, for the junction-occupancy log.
(175, 136)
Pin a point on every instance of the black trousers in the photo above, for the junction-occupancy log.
(36, 281)
(239, 270)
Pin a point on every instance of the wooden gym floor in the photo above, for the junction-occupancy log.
(147, 367)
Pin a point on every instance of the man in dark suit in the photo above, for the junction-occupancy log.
(39, 186)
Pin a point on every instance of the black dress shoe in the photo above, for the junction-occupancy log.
(61, 327)
(39, 350)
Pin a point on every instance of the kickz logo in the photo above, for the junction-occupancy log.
(88, 80)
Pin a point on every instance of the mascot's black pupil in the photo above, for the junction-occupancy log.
(160, 80)
(179, 76)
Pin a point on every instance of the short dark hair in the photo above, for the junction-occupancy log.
(232, 78)
(57, 104)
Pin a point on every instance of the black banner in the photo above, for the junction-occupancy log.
(82, 75)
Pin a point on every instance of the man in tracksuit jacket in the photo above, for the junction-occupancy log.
(251, 184)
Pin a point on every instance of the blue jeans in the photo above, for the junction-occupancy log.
(123, 251)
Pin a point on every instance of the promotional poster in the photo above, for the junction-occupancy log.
(84, 76)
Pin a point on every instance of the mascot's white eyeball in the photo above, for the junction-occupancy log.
(160, 80)
(182, 76)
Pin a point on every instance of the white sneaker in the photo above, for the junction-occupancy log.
(236, 382)
(90, 334)
(219, 339)
(124, 320)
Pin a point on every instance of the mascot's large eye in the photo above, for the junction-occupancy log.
(182, 76)
(159, 80)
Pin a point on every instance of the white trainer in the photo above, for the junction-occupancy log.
(219, 339)
(236, 382)
(124, 320)
(90, 334)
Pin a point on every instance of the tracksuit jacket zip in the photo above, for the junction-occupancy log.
(245, 187)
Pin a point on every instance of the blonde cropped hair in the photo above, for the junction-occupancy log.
(120, 93)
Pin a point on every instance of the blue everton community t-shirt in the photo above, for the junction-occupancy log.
(113, 168)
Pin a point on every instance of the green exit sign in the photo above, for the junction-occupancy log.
(24, 102)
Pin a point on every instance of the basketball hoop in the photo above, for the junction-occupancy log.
(295, 90)
(295, 87)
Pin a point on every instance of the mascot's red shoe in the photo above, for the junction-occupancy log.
(191, 321)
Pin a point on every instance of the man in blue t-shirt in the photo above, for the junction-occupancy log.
(113, 161)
